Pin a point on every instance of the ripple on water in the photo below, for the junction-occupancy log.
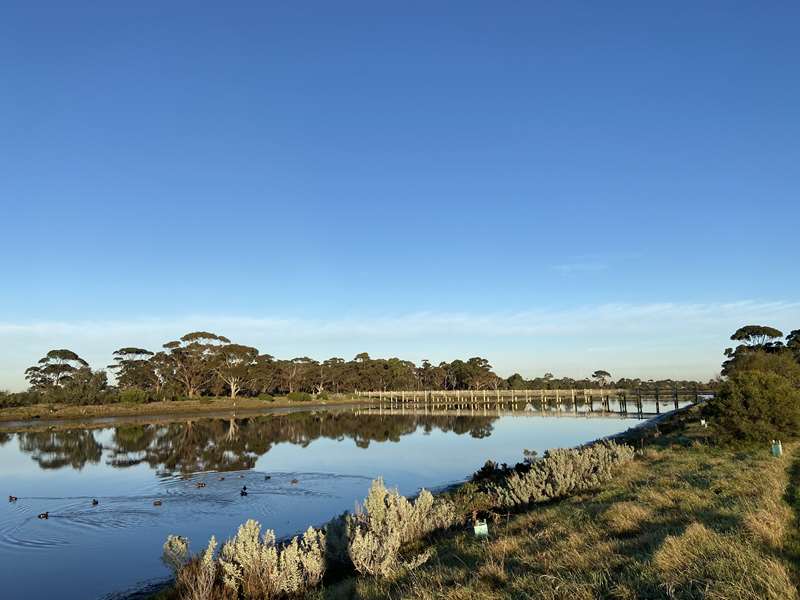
(72, 517)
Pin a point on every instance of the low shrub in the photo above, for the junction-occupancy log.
(266, 398)
(386, 521)
(133, 396)
(249, 565)
(194, 576)
(299, 397)
(755, 406)
(258, 568)
(17, 399)
(560, 473)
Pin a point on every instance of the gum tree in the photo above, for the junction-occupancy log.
(55, 369)
(234, 365)
(194, 359)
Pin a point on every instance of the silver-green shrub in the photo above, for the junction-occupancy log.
(194, 576)
(561, 472)
(386, 521)
(259, 569)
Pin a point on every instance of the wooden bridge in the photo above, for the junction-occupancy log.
(639, 403)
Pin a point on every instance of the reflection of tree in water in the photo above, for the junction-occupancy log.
(231, 444)
(4, 438)
(56, 449)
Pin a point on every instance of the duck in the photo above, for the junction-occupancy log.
(12, 498)
(222, 479)
(200, 484)
(44, 515)
(243, 492)
(95, 502)
(156, 502)
(244, 488)
(294, 481)
(267, 477)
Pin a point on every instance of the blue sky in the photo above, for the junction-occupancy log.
(556, 187)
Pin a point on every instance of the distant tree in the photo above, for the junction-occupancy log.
(793, 344)
(601, 377)
(133, 369)
(295, 373)
(54, 369)
(334, 372)
(194, 357)
(265, 374)
(234, 365)
(516, 382)
(753, 338)
(756, 335)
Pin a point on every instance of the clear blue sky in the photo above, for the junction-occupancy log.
(429, 179)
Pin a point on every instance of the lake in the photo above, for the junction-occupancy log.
(300, 469)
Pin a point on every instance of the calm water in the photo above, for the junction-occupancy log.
(86, 552)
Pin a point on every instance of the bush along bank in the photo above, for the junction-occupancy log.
(385, 536)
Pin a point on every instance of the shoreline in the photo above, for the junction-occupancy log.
(47, 415)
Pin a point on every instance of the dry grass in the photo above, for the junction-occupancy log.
(701, 563)
(626, 517)
(207, 406)
(684, 521)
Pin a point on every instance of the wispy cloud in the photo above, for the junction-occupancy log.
(612, 318)
(579, 267)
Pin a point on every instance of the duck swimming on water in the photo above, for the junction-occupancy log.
(12, 498)
(294, 481)
(95, 502)
(156, 502)
(200, 484)
(243, 491)
(44, 515)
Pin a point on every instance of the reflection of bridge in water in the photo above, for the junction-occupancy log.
(637, 403)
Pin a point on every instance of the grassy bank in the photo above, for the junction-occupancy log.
(156, 409)
(683, 521)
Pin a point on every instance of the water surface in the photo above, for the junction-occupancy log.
(299, 469)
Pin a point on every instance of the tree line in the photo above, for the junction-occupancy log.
(202, 363)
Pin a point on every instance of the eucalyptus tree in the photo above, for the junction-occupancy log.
(516, 382)
(194, 359)
(756, 335)
(265, 375)
(55, 369)
(295, 373)
(754, 339)
(235, 365)
(334, 372)
(133, 368)
(601, 377)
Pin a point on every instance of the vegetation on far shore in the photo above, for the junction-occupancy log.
(206, 365)
(203, 405)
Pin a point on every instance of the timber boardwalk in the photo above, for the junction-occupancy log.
(637, 403)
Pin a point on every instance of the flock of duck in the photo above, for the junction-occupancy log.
(199, 484)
